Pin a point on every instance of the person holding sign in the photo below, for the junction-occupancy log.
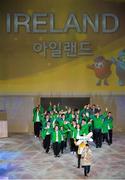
(81, 143)
(86, 158)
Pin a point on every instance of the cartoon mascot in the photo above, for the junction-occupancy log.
(120, 67)
(102, 69)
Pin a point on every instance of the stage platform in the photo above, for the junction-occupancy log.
(22, 157)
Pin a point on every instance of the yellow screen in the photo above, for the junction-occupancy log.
(73, 66)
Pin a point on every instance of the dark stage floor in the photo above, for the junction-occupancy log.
(22, 157)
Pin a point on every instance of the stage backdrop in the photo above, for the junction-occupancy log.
(57, 47)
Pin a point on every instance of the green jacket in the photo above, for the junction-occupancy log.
(63, 135)
(105, 126)
(44, 122)
(54, 136)
(35, 116)
(85, 128)
(110, 122)
(97, 122)
(73, 132)
(45, 132)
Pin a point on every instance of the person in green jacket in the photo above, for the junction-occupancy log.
(97, 122)
(105, 131)
(63, 139)
(46, 136)
(78, 131)
(72, 137)
(37, 121)
(40, 107)
(56, 140)
(110, 127)
(67, 131)
(75, 132)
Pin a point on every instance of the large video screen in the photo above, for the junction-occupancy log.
(58, 47)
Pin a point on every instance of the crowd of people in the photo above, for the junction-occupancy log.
(59, 126)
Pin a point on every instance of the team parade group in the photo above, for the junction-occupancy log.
(58, 126)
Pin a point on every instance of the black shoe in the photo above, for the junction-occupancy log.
(58, 155)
